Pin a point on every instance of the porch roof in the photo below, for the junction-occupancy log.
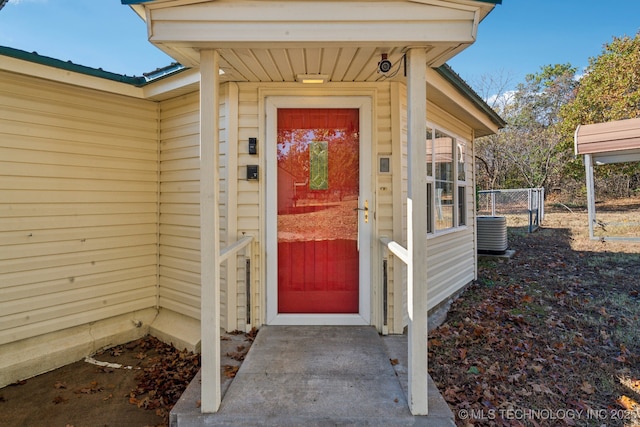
(278, 40)
(155, 81)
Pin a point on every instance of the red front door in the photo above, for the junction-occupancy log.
(318, 188)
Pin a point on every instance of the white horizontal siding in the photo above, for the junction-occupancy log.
(179, 271)
(179, 249)
(451, 260)
(248, 202)
(78, 206)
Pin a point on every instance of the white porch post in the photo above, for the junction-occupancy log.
(417, 230)
(591, 197)
(209, 229)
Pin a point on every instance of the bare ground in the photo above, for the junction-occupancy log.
(140, 393)
(551, 337)
(555, 329)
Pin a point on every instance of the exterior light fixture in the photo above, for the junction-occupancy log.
(312, 78)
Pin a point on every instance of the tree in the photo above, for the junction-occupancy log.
(492, 164)
(525, 152)
(609, 90)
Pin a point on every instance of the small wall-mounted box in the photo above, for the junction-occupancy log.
(384, 164)
(253, 145)
(252, 172)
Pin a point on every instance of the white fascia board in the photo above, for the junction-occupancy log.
(166, 85)
(69, 77)
(229, 23)
(251, 34)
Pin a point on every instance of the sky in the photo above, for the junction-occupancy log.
(517, 38)
(520, 36)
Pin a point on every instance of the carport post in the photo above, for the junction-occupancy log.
(417, 230)
(209, 226)
(591, 197)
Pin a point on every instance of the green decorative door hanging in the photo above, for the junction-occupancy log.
(318, 165)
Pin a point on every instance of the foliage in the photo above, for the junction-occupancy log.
(536, 147)
(609, 90)
(525, 153)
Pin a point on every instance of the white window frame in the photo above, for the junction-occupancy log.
(457, 183)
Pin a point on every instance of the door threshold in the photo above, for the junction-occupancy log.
(319, 320)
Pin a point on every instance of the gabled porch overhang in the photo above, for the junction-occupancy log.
(275, 41)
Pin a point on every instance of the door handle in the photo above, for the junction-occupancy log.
(365, 209)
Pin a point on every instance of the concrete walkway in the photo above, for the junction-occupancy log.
(316, 376)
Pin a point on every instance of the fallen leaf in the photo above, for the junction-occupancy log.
(537, 368)
(59, 399)
(60, 385)
(541, 388)
(394, 362)
(463, 353)
(562, 389)
(230, 371)
(587, 388)
(628, 403)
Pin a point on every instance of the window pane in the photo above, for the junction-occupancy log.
(444, 205)
(429, 207)
(462, 211)
(444, 157)
(429, 152)
(444, 179)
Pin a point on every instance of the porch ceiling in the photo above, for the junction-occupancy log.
(274, 41)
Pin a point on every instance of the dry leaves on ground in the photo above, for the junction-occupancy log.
(556, 328)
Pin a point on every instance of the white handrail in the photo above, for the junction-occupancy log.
(227, 252)
(396, 248)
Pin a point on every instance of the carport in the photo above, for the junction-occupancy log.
(605, 143)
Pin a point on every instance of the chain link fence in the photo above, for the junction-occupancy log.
(521, 206)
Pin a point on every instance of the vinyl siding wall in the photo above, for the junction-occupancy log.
(451, 263)
(84, 235)
(179, 261)
(179, 281)
(78, 206)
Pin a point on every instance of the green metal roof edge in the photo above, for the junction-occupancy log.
(444, 70)
(70, 66)
(447, 72)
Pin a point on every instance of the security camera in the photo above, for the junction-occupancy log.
(384, 66)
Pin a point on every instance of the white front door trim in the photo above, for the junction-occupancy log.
(272, 104)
